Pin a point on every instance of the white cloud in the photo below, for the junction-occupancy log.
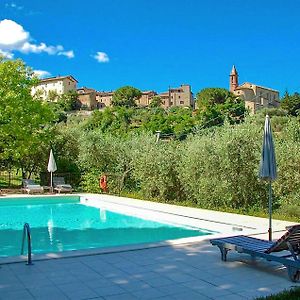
(42, 47)
(13, 6)
(13, 37)
(68, 54)
(41, 73)
(101, 57)
(6, 54)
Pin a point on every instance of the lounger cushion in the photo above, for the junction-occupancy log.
(34, 187)
(64, 186)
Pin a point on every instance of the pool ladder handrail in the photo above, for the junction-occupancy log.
(26, 231)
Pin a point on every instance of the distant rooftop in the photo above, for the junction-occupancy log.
(242, 86)
(58, 78)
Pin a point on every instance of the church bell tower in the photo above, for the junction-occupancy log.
(233, 79)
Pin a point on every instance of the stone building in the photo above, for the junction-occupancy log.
(165, 99)
(146, 98)
(104, 99)
(255, 96)
(181, 96)
(57, 85)
(87, 98)
(92, 99)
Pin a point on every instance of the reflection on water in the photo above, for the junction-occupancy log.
(62, 227)
(50, 225)
(103, 215)
(50, 230)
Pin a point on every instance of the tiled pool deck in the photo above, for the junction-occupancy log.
(182, 271)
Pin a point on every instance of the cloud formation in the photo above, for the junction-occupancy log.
(13, 6)
(69, 54)
(101, 57)
(6, 54)
(13, 37)
(41, 73)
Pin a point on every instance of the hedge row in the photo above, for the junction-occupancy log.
(217, 168)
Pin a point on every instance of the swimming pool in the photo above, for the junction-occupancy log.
(64, 223)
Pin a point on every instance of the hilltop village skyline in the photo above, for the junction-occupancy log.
(254, 95)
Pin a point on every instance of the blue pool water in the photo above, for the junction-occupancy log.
(62, 224)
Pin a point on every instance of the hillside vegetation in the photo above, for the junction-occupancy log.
(207, 158)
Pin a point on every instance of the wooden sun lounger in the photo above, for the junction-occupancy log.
(30, 186)
(285, 250)
(60, 186)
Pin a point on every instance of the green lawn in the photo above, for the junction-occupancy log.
(293, 294)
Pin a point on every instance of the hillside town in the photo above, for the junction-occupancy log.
(255, 96)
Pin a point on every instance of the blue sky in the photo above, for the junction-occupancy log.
(155, 44)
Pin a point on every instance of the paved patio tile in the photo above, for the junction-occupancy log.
(137, 269)
(93, 284)
(113, 258)
(88, 276)
(126, 296)
(192, 271)
(179, 277)
(20, 268)
(101, 268)
(114, 273)
(46, 293)
(229, 297)
(186, 268)
(37, 283)
(207, 289)
(252, 294)
(203, 275)
(96, 263)
(68, 278)
(149, 293)
(173, 289)
(33, 279)
(190, 295)
(164, 268)
(78, 292)
(15, 295)
(8, 278)
(7, 275)
(132, 285)
(71, 287)
(13, 286)
(145, 275)
(158, 281)
(109, 290)
(126, 265)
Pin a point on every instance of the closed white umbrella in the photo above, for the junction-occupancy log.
(268, 169)
(51, 167)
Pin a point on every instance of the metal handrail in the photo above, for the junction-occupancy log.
(26, 230)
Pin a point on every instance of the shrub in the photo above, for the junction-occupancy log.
(220, 168)
(155, 168)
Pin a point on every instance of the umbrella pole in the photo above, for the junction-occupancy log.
(51, 183)
(270, 211)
